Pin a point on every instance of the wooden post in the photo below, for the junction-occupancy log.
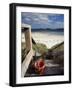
(28, 39)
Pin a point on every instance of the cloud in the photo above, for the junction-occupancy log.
(27, 19)
(56, 25)
(35, 17)
(42, 20)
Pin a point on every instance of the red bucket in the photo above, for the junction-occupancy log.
(40, 66)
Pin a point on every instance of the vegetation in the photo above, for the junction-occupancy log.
(38, 47)
(41, 48)
(58, 47)
(56, 53)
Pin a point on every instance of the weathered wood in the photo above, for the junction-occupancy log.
(26, 29)
(26, 62)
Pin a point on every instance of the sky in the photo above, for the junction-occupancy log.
(43, 20)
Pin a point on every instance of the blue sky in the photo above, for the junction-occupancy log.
(43, 20)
